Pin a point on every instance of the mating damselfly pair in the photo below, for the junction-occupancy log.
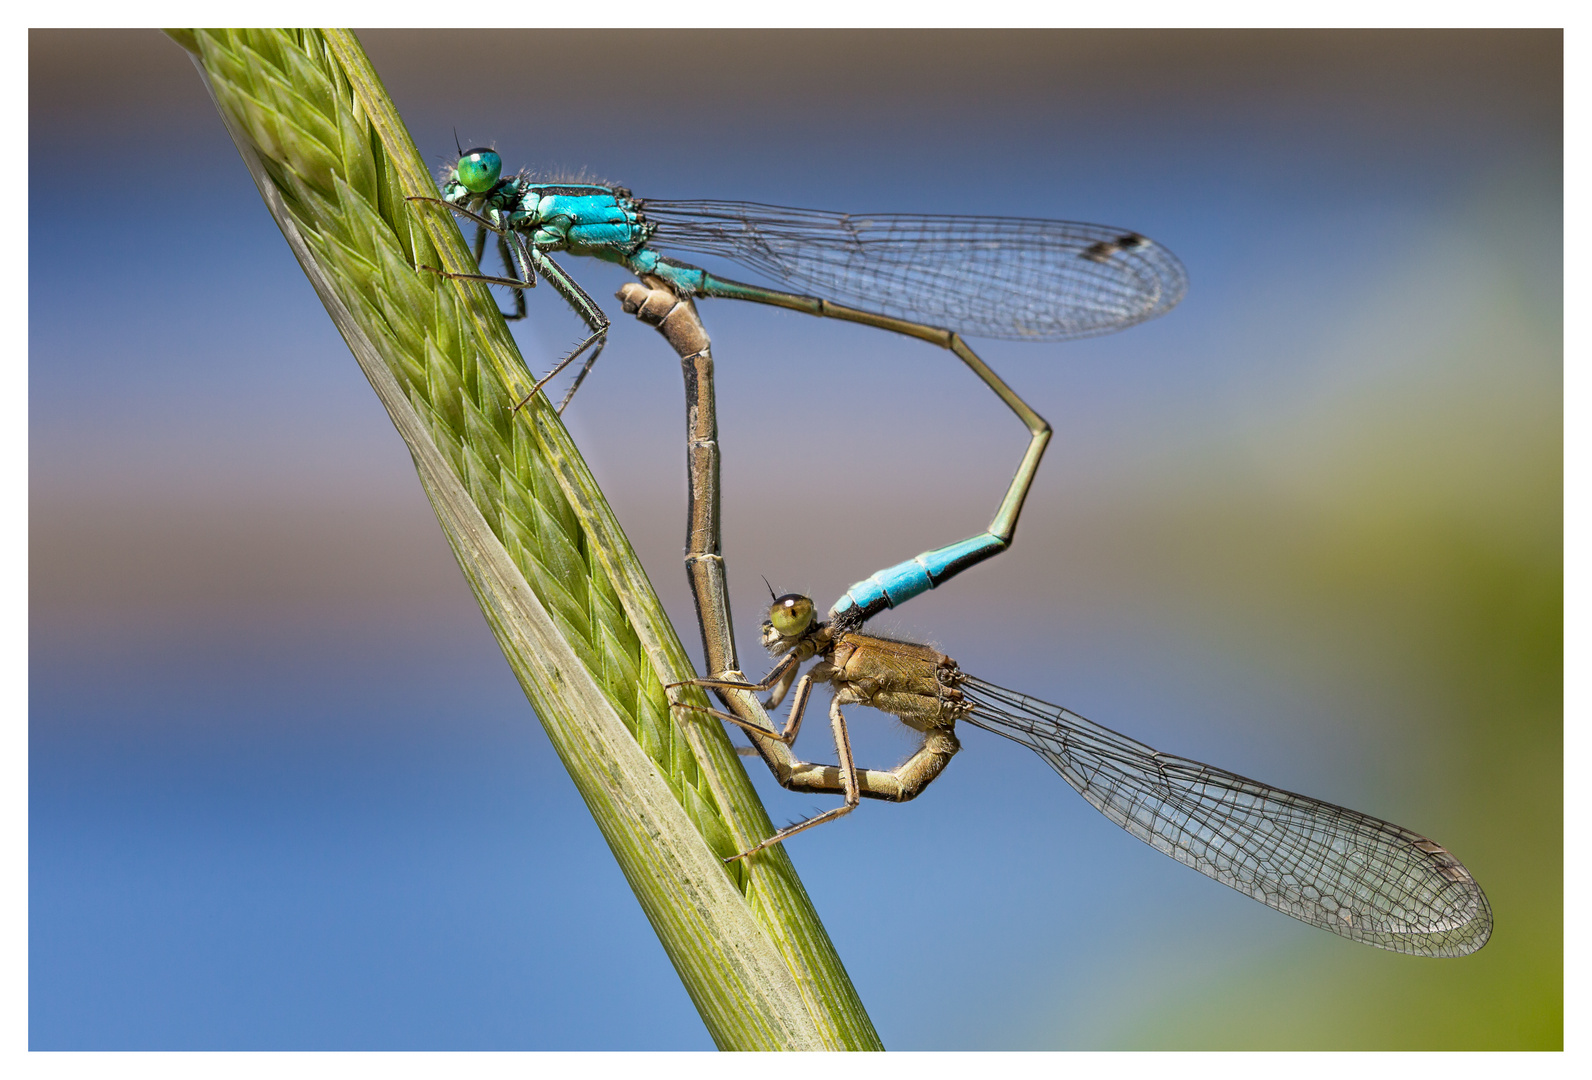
(935, 277)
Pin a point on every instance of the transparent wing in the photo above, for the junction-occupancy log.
(1323, 864)
(997, 277)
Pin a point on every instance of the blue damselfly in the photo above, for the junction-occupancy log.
(932, 277)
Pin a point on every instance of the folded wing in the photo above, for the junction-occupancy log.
(1016, 278)
(1326, 865)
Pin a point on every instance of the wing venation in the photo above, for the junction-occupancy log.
(1015, 278)
(1327, 865)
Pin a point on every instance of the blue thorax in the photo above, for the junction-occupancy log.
(583, 219)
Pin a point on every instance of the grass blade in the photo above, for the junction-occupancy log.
(554, 574)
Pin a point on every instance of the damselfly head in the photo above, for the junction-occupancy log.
(479, 169)
(791, 614)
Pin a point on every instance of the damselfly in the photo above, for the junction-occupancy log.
(926, 276)
(1332, 867)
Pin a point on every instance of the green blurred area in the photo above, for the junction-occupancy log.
(1407, 537)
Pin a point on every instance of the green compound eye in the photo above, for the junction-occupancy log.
(479, 169)
(791, 614)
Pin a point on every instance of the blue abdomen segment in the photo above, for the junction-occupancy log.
(681, 277)
(901, 582)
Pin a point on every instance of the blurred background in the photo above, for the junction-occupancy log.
(285, 793)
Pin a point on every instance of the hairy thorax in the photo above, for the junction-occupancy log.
(914, 682)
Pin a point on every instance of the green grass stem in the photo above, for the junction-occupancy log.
(556, 578)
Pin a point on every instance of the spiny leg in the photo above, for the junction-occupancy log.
(589, 312)
(778, 680)
(526, 278)
(531, 259)
(729, 717)
(848, 782)
(519, 294)
(580, 376)
(777, 695)
(902, 784)
(793, 722)
(470, 215)
(787, 663)
(478, 250)
(485, 279)
(527, 275)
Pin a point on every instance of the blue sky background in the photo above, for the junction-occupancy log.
(285, 793)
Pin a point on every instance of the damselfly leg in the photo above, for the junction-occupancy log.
(478, 250)
(1325, 865)
(931, 277)
(530, 262)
